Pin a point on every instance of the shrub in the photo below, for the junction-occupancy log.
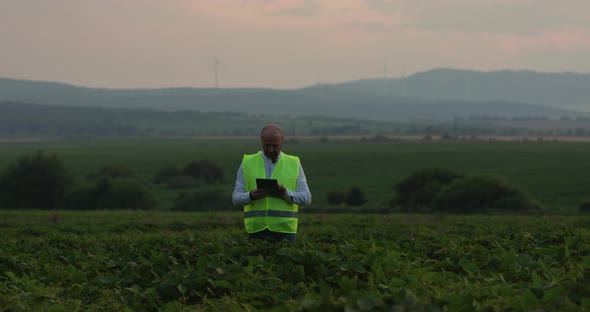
(181, 182)
(205, 170)
(113, 172)
(205, 199)
(81, 197)
(355, 197)
(416, 192)
(114, 194)
(126, 194)
(335, 198)
(478, 194)
(36, 181)
(584, 207)
(167, 173)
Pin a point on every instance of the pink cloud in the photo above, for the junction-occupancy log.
(334, 39)
(566, 38)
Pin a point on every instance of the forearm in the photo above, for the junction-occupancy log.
(302, 198)
(241, 198)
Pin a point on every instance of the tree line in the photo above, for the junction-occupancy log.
(42, 181)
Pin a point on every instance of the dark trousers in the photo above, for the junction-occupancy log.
(266, 234)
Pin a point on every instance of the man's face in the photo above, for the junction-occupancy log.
(271, 145)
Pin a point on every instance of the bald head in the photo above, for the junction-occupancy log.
(272, 139)
(271, 129)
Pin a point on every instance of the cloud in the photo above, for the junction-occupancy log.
(173, 42)
(523, 17)
(293, 8)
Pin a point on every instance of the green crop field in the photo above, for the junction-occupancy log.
(164, 261)
(556, 173)
(153, 260)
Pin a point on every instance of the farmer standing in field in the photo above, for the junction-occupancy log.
(265, 216)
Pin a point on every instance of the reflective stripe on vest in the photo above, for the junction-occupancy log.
(271, 213)
(275, 214)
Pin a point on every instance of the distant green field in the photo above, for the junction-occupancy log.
(556, 173)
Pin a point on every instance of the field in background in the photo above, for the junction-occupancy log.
(556, 173)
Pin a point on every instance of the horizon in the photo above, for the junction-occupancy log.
(302, 87)
(283, 44)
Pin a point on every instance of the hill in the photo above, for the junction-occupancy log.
(24, 120)
(558, 90)
(435, 95)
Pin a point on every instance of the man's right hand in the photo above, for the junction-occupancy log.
(259, 193)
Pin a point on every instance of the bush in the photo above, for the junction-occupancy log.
(205, 170)
(113, 171)
(167, 173)
(335, 198)
(81, 197)
(584, 207)
(182, 182)
(110, 194)
(36, 181)
(478, 194)
(416, 192)
(126, 194)
(206, 199)
(355, 197)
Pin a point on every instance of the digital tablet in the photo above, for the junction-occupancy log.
(270, 184)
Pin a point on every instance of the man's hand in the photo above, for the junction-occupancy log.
(259, 193)
(282, 190)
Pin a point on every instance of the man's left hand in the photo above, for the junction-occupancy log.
(282, 190)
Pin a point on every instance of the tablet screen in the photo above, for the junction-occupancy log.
(271, 184)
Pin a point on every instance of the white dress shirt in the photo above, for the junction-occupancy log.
(300, 196)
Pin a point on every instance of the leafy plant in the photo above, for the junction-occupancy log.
(170, 261)
(336, 197)
(203, 199)
(205, 170)
(416, 192)
(113, 171)
(584, 207)
(35, 181)
(355, 197)
(109, 193)
(480, 194)
(165, 174)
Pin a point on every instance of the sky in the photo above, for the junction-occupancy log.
(283, 44)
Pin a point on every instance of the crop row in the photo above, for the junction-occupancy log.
(172, 262)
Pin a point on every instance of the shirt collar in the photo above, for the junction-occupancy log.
(266, 159)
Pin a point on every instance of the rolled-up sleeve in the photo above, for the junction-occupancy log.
(302, 195)
(240, 196)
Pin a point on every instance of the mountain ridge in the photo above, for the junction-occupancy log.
(568, 90)
(436, 94)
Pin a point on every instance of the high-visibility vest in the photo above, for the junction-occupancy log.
(274, 214)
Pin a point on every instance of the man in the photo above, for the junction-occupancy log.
(265, 216)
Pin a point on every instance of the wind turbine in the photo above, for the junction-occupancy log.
(216, 64)
(385, 71)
